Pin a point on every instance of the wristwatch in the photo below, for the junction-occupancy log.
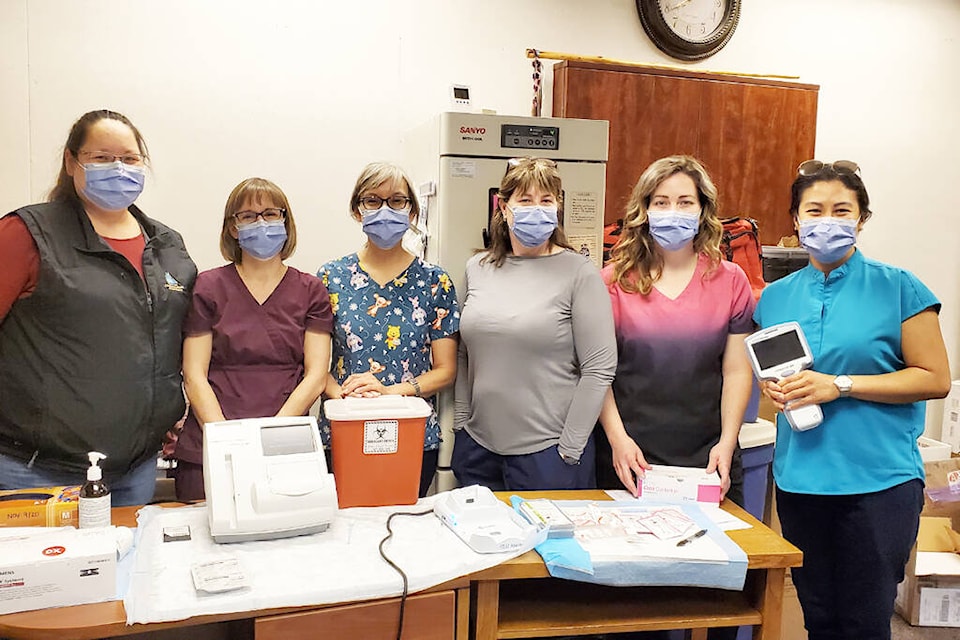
(844, 384)
(569, 460)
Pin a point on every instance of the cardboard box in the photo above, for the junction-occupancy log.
(932, 450)
(929, 595)
(57, 568)
(950, 428)
(679, 484)
(43, 507)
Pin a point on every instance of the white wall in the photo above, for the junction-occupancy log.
(306, 92)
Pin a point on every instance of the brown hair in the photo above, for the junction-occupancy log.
(522, 174)
(64, 189)
(255, 190)
(636, 262)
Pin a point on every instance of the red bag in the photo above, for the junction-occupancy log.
(741, 244)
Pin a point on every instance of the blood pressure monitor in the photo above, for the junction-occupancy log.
(778, 352)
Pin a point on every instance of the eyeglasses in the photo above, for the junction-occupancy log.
(813, 167)
(372, 203)
(268, 215)
(103, 157)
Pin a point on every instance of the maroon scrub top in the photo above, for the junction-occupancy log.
(257, 356)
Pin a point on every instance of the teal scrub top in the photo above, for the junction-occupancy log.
(852, 319)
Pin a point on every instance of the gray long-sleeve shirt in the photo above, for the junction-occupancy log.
(537, 353)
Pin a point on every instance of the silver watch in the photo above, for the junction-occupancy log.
(844, 384)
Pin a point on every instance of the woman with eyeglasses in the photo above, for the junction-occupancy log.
(849, 492)
(397, 316)
(681, 314)
(538, 350)
(257, 336)
(92, 296)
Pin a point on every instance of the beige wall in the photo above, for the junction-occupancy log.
(307, 92)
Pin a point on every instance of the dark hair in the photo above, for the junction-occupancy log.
(521, 175)
(851, 181)
(64, 190)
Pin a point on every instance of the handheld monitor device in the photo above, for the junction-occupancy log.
(780, 351)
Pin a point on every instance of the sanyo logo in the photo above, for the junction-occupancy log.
(473, 130)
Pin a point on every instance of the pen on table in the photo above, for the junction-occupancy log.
(692, 537)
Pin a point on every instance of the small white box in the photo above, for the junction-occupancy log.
(679, 484)
(950, 429)
(57, 568)
(932, 450)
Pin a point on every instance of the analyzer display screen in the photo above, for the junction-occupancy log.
(779, 349)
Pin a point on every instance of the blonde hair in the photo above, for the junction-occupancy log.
(375, 175)
(255, 190)
(637, 263)
(523, 174)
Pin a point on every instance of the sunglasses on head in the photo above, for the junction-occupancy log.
(814, 167)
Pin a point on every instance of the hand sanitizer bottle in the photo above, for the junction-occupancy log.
(94, 496)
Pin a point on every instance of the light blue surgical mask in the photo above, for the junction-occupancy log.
(673, 230)
(828, 239)
(385, 226)
(113, 186)
(533, 225)
(261, 239)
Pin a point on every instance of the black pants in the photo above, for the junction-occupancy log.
(854, 550)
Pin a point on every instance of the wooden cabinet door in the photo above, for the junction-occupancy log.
(429, 616)
(750, 134)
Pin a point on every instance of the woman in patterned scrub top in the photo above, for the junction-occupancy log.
(681, 315)
(396, 316)
(257, 335)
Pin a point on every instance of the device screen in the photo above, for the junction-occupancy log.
(461, 93)
(286, 439)
(779, 349)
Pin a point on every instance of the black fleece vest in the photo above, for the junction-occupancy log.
(90, 361)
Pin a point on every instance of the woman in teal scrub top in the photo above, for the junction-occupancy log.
(849, 492)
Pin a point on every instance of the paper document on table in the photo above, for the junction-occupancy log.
(634, 543)
(723, 519)
(625, 533)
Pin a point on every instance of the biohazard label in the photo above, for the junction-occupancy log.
(380, 436)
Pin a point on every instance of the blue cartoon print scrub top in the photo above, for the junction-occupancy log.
(388, 330)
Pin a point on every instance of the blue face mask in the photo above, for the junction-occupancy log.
(532, 226)
(262, 239)
(113, 186)
(385, 226)
(673, 230)
(828, 239)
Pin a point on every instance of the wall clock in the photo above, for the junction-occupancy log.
(689, 29)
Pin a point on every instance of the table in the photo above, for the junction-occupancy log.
(517, 599)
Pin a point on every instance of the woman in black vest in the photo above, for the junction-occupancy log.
(92, 295)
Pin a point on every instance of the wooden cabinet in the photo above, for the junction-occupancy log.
(750, 133)
(430, 616)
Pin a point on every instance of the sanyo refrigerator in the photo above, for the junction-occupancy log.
(457, 161)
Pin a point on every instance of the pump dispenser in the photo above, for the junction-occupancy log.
(94, 496)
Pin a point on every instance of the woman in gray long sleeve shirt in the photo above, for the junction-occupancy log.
(537, 351)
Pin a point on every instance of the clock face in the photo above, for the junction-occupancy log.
(693, 20)
(689, 29)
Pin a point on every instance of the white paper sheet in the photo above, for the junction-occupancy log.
(341, 564)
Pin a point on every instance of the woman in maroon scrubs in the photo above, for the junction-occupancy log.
(257, 335)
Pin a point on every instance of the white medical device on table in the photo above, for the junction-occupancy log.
(485, 523)
(266, 478)
(778, 352)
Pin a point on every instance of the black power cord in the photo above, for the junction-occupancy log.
(403, 597)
